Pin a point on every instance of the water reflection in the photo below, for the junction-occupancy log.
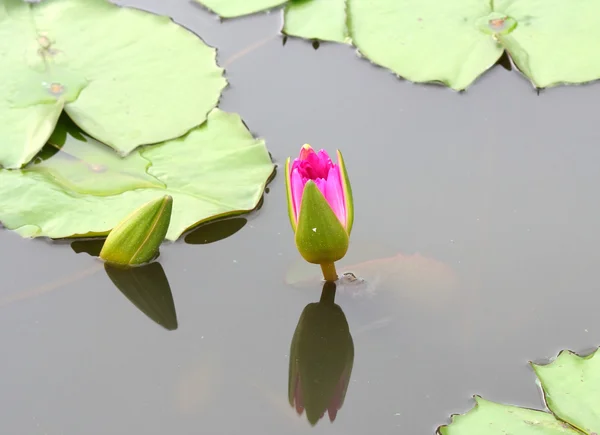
(369, 270)
(214, 231)
(148, 289)
(505, 62)
(321, 359)
(90, 246)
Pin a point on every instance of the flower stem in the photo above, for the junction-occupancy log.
(329, 272)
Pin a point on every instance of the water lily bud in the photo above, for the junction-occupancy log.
(320, 205)
(136, 239)
(321, 359)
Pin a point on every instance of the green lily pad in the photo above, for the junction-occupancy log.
(571, 387)
(491, 418)
(145, 81)
(554, 41)
(452, 42)
(425, 41)
(324, 20)
(81, 189)
(551, 42)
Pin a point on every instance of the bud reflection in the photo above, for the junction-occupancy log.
(148, 289)
(321, 358)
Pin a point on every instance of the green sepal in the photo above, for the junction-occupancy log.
(349, 201)
(288, 191)
(136, 239)
(320, 236)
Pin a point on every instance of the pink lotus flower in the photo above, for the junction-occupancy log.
(319, 168)
(320, 205)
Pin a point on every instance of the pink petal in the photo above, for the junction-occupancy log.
(332, 414)
(336, 401)
(295, 164)
(305, 151)
(321, 184)
(319, 164)
(334, 194)
(324, 158)
(297, 184)
(298, 398)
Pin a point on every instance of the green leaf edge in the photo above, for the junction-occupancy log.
(455, 418)
(562, 355)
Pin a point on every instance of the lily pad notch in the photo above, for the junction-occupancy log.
(452, 42)
(571, 390)
(146, 81)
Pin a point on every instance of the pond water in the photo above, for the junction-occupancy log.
(475, 232)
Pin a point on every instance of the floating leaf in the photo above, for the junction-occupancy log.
(147, 287)
(145, 81)
(216, 170)
(571, 386)
(425, 41)
(453, 42)
(491, 418)
(324, 20)
(136, 239)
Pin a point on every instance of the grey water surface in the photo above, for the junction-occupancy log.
(476, 232)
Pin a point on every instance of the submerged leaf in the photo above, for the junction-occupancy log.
(216, 170)
(145, 81)
(136, 239)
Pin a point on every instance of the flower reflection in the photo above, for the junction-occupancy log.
(321, 358)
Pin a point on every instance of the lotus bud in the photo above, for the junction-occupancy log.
(136, 239)
(321, 359)
(320, 206)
